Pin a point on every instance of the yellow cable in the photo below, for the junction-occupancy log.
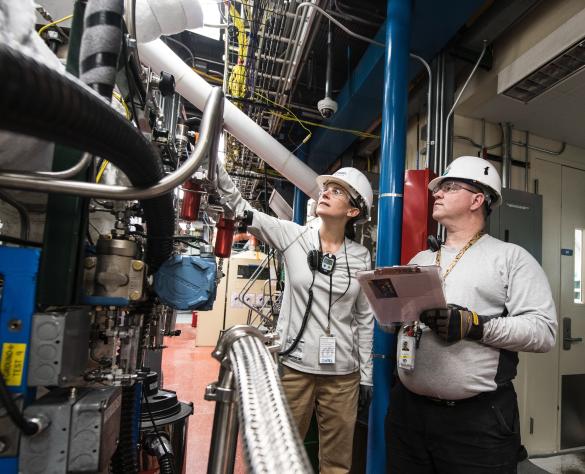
(359, 133)
(120, 99)
(301, 122)
(56, 22)
(208, 76)
(103, 167)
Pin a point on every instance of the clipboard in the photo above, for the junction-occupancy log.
(398, 294)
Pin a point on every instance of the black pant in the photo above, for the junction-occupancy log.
(479, 435)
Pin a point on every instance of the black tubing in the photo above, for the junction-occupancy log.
(26, 427)
(125, 459)
(38, 101)
(101, 44)
(167, 464)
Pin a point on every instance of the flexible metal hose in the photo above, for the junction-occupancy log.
(270, 438)
(38, 101)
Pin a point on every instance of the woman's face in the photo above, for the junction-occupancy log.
(334, 201)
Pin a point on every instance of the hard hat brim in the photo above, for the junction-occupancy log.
(323, 179)
(439, 179)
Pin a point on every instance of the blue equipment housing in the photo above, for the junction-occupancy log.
(186, 282)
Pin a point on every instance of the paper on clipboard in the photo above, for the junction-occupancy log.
(401, 293)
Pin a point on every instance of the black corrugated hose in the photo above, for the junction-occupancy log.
(125, 459)
(38, 101)
(167, 464)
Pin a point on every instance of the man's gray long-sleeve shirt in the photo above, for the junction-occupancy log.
(352, 320)
(491, 277)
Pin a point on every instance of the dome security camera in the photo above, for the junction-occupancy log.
(327, 107)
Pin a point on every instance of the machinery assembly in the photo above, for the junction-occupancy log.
(157, 160)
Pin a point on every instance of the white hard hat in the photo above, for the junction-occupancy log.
(357, 185)
(476, 171)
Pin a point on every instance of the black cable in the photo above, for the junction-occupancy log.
(157, 432)
(22, 212)
(126, 58)
(184, 46)
(15, 240)
(27, 427)
(295, 343)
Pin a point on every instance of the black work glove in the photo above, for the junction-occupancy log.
(365, 397)
(454, 324)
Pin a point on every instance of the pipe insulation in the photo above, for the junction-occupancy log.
(166, 17)
(270, 438)
(101, 44)
(195, 89)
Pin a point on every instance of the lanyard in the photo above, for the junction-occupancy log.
(465, 248)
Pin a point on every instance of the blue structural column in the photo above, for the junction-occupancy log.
(300, 198)
(394, 118)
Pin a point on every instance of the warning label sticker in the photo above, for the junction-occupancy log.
(12, 363)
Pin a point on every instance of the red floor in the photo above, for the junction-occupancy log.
(188, 370)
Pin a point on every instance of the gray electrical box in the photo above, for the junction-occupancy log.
(95, 424)
(59, 347)
(519, 221)
(82, 433)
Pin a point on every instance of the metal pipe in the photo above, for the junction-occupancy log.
(211, 116)
(22, 212)
(329, 69)
(477, 145)
(214, 147)
(506, 154)
(270, 440)
(86, 159)
(195, 89)
(459, 97)
(393, 138)
(224, 434)
(429, 92)
(526, 152)
(542, 150)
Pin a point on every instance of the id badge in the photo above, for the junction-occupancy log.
(327, 350)
(407, 352)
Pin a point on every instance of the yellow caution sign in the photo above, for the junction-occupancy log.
(12, 363)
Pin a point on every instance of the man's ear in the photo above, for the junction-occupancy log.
(478, 201)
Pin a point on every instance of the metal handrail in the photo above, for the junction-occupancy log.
(249, 380)
(212, 116)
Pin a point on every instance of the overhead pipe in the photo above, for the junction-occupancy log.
(195, 89)
(394, 124)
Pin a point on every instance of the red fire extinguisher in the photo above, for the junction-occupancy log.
(224, 237)
(191, 201)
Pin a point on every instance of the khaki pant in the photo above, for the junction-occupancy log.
(334, 399)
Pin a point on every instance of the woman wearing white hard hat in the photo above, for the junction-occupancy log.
(325, 323)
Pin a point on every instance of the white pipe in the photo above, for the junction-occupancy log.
(195, 89)
(166, 17)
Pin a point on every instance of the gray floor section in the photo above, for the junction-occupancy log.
(573, 463)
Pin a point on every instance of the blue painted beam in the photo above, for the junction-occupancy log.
(434, 23)
(393, 137)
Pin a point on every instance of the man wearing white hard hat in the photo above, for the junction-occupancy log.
(454, 410)
(325, 322)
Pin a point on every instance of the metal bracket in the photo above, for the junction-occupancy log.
(213, 393)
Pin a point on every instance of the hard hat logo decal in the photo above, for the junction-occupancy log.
(485, 171)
